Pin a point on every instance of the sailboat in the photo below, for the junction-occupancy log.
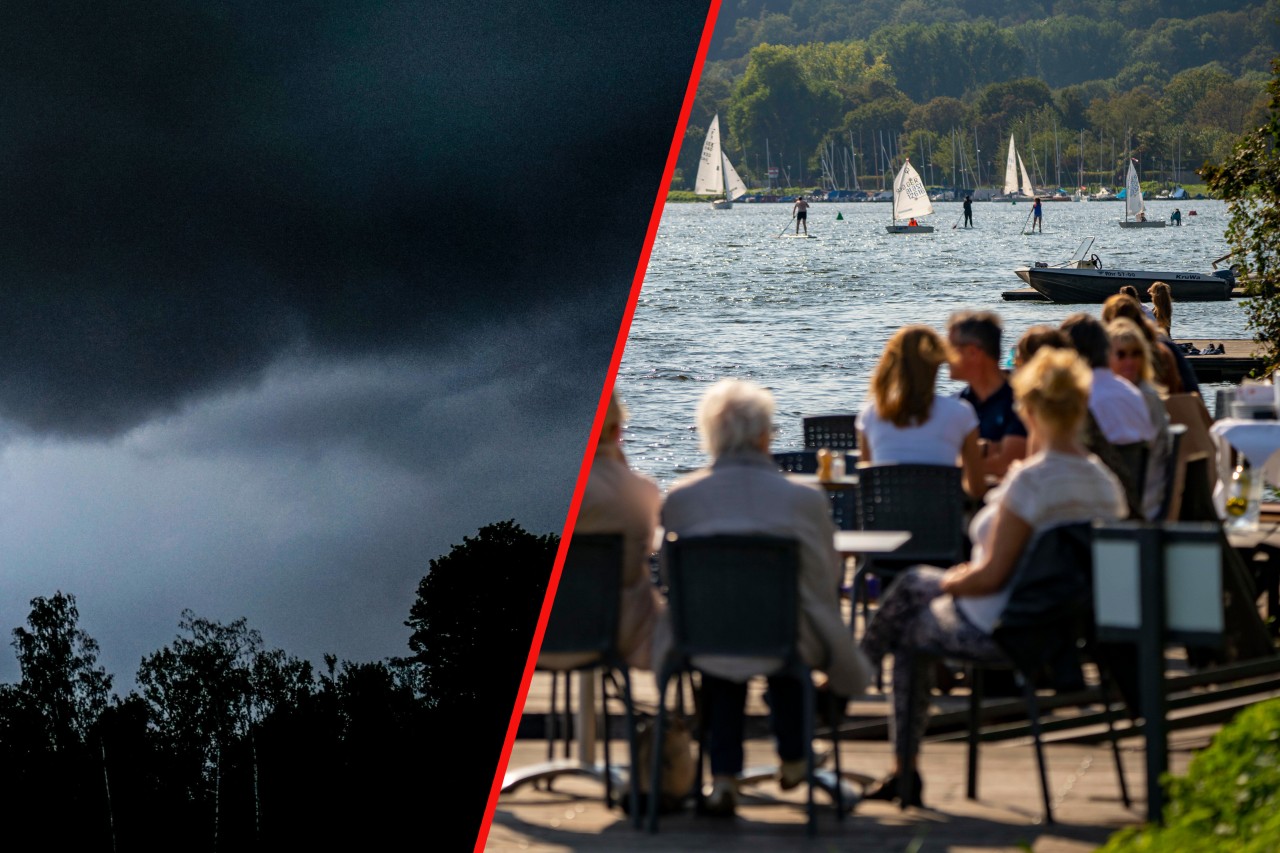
(1013, 170)
(716, 175)
(1133, 204)
(909, 201)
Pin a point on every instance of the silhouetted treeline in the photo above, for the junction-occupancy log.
(228, 745)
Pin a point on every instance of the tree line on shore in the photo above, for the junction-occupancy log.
(947, 82)
(226, 744)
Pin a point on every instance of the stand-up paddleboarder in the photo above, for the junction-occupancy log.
(968, 211)
(801, 212)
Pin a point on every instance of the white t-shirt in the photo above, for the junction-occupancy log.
(1119, 409)
(1044, 490)
(937, 441)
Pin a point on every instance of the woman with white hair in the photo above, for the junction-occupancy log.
(744, 492)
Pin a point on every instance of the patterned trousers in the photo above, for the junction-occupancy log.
(915, 619)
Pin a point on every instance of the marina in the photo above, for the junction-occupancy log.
(723, 296)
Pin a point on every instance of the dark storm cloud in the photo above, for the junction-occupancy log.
(191, 191)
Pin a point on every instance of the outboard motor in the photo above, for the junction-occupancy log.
(1229, 276)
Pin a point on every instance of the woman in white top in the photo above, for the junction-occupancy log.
(954, 611)
(905, 421)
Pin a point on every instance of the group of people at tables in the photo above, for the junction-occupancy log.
(1032, 445)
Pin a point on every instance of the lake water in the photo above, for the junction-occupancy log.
(725, 296)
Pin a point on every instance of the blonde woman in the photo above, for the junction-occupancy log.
(906, 421)
(1131, 359)
(954, 611)
(1162, 304)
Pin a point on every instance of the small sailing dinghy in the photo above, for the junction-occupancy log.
(1133, 204)
(909, 201)
(1013, 170)
(716, 175)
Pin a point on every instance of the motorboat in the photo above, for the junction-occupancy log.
(1087, 282)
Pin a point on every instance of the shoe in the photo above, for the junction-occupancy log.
(887, 789)
(723, 799)
(792, 773)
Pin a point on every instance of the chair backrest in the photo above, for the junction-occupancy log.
(797, 461)
(1175, 474)
(844, 504)
(927, 500)
(1050, 605)
(1189, 410)
(834, 431)
(1134, 458)
(734, 595)
(584, 616)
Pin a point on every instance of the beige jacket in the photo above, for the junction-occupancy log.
(746, 493)
(618, 500)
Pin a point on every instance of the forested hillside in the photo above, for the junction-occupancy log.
(947, 82)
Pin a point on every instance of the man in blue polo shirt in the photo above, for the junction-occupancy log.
(974, 337)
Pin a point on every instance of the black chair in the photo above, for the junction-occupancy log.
(797, 461)
(1044, 629)
(1134, 458)
(738, 596)
(584, 626)
(834, 431)
(927, 500)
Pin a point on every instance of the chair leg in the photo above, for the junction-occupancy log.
(1105, 688)
(655, 752)
(809, 712)
(1033, 712)
(906, 737)
(837, 717)
(604, 722)
(568, 715)
(553, 722)
(633, 786)
(974, 675)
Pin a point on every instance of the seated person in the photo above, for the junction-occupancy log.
(618, 500)
(1041, 337)
(953, 611)
(912, 223)
(1164, 363)
(974, 338)
(1131, 359)
(1114, 402)
(744, 492)
(905, 421)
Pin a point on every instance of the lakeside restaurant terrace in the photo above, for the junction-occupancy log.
(1177, 642)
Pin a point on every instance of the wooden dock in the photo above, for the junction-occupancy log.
(1233, 365)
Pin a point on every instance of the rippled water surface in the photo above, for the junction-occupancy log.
(725, 296)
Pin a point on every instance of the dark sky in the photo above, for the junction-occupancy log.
(295, 295)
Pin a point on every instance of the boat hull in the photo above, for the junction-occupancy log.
(1150, 223)
(909, 229)
(722, 204)
(1092, 286)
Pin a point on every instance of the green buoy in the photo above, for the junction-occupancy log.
(839, 216)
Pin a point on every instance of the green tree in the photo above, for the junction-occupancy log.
(61, 682)
(474, 616)
(1249, 180)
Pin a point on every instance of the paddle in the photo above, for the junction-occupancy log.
(957, 222)
(1024, 224)
(788, 225)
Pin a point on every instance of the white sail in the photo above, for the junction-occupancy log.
(909, 196)
(1026, 181)
(710, 178)
(1011, 170)
(1132, 193)
(716, 175)
(734, 186)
